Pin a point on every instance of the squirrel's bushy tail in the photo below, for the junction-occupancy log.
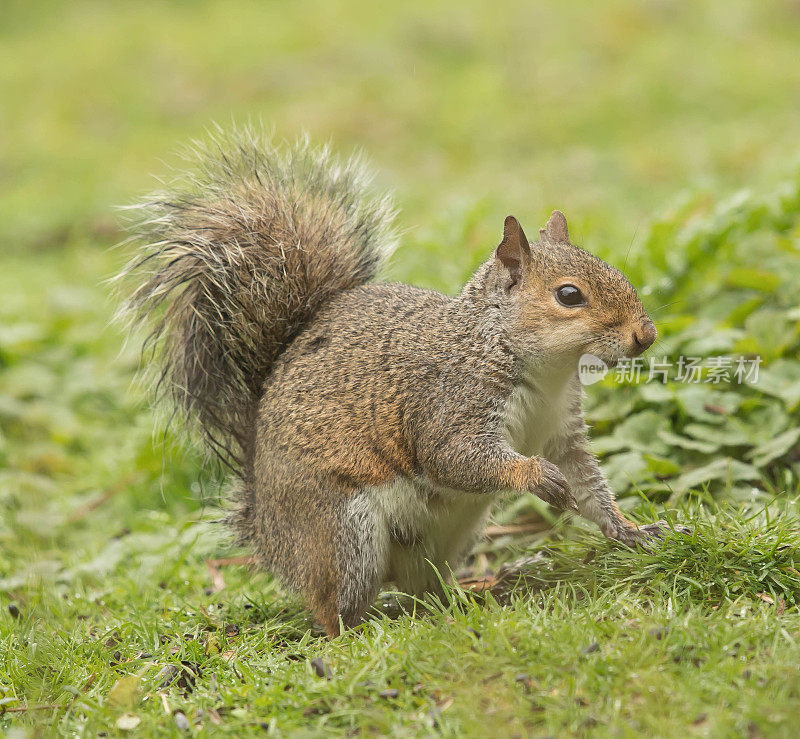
(238, 254)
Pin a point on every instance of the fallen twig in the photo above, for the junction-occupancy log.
(107, 494)
(534, 527)
(41, 707)
(478, 584)
(501, 584)
(217, 581)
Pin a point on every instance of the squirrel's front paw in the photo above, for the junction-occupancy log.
(551, 486)
(647, 535)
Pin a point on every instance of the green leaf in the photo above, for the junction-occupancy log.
(684, 442)
(739, 314)
(753, 279)
(612, 408)
(624, 470)
(694, 400)
(662, 466)
(781, 380)
(771, 331)
(125, 692)
(715, 341)
(656, 392)
(639, 432)
(774, 448)
(725, 434)
(726, 469)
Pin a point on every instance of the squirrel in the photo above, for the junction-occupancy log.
(369, 426)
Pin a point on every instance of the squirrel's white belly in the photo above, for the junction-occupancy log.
(534, 414)
(417, 524)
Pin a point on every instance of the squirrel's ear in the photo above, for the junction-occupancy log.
(556, 231)
(514, 251)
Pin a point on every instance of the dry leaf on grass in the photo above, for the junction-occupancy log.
(128, 721)
(502, 584)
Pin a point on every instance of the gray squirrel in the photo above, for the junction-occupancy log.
(370, 427)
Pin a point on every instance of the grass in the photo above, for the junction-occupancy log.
(701, 635)
(640, 121)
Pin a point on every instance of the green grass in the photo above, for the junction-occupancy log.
(598, 638)
(643, 122)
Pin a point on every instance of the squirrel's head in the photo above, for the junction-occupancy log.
(566, 302)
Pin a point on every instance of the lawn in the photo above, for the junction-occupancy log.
(666, 132)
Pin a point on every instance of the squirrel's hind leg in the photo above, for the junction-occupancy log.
(323, 539)
(345, 563)
(361, 563)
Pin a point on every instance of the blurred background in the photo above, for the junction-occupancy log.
(640, 119)
(607, 110)
(668, 133)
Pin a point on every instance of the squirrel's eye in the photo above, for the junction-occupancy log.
(570, 296)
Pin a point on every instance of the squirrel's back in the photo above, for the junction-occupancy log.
(345, 387)
(237, 256)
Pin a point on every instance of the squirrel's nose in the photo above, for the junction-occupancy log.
(644, 336)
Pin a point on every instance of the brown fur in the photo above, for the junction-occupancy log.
(372, 425)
